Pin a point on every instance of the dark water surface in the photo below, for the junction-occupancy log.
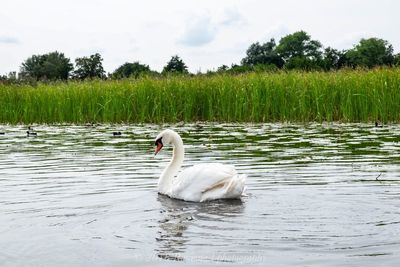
(317, 195)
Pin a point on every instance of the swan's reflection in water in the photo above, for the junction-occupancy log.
(178, 216)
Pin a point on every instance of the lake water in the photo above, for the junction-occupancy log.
(316, 195)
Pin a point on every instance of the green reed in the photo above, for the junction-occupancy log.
(347, 96)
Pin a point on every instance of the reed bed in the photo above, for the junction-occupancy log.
(345, 96)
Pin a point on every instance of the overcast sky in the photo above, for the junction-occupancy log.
(204, 33)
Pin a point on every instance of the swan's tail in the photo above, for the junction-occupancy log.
(236, 186)
(230, 188)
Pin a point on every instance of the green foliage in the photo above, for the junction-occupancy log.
(265, 68)
(11, 78)
(134, 70)
(332, 59)
(238, 69)
(296, 51)
(370, 53)
(264, 54)
(51, 66)
(346, 96)
(299, 51)
(222, 69)
(176, 65)
(302, 63)
(89, 67)
(396, 60)
(241, 69)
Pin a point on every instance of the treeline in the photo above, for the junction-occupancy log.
(295, 51)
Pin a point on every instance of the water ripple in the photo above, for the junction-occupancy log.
(316, 194)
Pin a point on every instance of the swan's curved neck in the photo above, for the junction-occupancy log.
(178, 154)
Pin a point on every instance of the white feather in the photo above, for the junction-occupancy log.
(201, 182)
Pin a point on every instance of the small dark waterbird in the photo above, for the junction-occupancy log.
(30, 132)
(377, 125)
(117, 133)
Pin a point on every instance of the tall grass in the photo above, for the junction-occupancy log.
(347, 96)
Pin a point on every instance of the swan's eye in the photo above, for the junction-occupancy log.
(158, 141)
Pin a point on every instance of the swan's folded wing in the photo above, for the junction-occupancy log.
(194, 182)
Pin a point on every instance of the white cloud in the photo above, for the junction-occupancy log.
(277, 32)
(232, 17)
(199, 31)
(349, 40)
(8, 40)
(205, 33)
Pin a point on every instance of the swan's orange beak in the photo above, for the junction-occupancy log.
(159, 146)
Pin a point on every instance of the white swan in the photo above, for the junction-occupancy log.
(199, 183)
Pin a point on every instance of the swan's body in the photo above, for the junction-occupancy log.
(199, 183)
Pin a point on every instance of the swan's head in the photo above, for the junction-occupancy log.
(166, 137)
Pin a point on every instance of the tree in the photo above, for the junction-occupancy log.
(176, 65)
(298, 50)
(332, 59)
(89, 67)
(51, 66)
(370, 53)
(396, 60)
(222, 69)
(11, 78)
(134, 69)
(264, 54)
(239, 69)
